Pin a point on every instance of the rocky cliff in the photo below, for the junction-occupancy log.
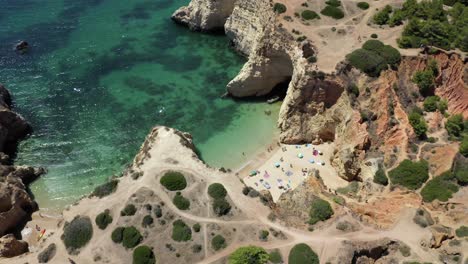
(16, 204)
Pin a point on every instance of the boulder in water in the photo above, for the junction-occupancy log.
(22, 46)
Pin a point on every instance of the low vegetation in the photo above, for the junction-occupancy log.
(383, 16)
(131, 237)
(217, 191)
(117, 235)
(320, 210)
(350, 189)
(460, 171)
(180, 231)
(143, 255)
(263, 235)
(440, 188)
(455, 126)
(250, 255)
(128, 210)
(279, 8)
(174, 181)
(47, 254)
(332, 11)
(374, 57)
(181, 202)
(196, 227)
(221, 207)
(363, 5)
(434, 103)
(309, 15)
(303, 254)
(218, 242)
(409, 174)
(418, 123)
(147, 221)
(77, 233)
(103, 219)
(105, 189)
(462, 231)
(380, 177)
(275, 257)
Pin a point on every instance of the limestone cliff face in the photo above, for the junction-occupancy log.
(203, 15)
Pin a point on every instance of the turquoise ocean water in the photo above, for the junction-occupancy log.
(101, 73)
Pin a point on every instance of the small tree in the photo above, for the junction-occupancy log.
(410, 174)
(218, 242)
(418, 123)
(303, 254)
(431, 103)
(320, 210)
(380, 177)
(455, 126)
(250, 255)
(143, 255)
(103, 219)
(217, 191)
(279, 8)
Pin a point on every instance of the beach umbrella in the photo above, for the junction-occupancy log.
(289, 173)
(253, 173)
(277, 164)
(300, 155)
(311, 160)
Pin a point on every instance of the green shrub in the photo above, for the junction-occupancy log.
(217, 191)
(335, 3)
(374, 57)
(455, 126)
(410, 174)
(439, 188)
(196, 227)
(309, 15)
(174, 181)
(180, 231)
(312, 59)
(425, 80)
(302, 254)
(275, 257)
(443, 106)
(462, 231)
(158, 211)
(353, 89)
(103, 219)
(181, 202)
(218, 242)
(197, 248)
(431, 103)
(405, 250)
(397, 18)
(147, 221)
(380, 177)
(128, 210)
(221, 207)
(105, 189)
(351, 188)
(249, 255)
(374, 36)
(460, 171)
(363, 5)
(143, 255)
(131, 237)
(263, 235)
(418, 123)
(279, 8)
(464, 146)
(333, 12)
(383, 16)
(117, 235)
(320, 210)
(77, 233)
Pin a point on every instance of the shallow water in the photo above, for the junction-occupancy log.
(101, 73)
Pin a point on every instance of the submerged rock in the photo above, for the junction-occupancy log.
(22, 46)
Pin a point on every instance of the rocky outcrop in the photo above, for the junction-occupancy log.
(11, 247)
(440, 233)
(202, 15)
(378, 251)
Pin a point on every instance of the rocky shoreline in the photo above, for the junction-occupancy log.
(16, 202)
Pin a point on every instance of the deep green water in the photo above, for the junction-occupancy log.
(101, 73)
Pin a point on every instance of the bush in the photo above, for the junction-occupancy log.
(455, 126)
(464, 146)
(218, 242)
(302, 254)
(105, 189)
(279, 8)
(320, 210)
(353, 89)
(374, 57)
(77, 233)
(431, 103)
(196, 227)
(128, 210)
(410, 174)
(405, 250)
(423, 218)
(439, 188)
(250, 255)
(335, 3)
(275, 257)
(174, 181)
(181, 202)
(180, 231)
(117, 235)
(460, 171)
(374, 36)
(352, 188)
(263, 235)
(380, 177)
(309, 15)
(425, 80)
(363, 5)
(221, 207)
(462, 231)
(143, 255)
(197, 248)
(103, 219)
(47, 254)
(131, 237)
(383, 16)
(158, 211)
(217, 191)
(147, 221)
(333, 12)
(418, 123)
